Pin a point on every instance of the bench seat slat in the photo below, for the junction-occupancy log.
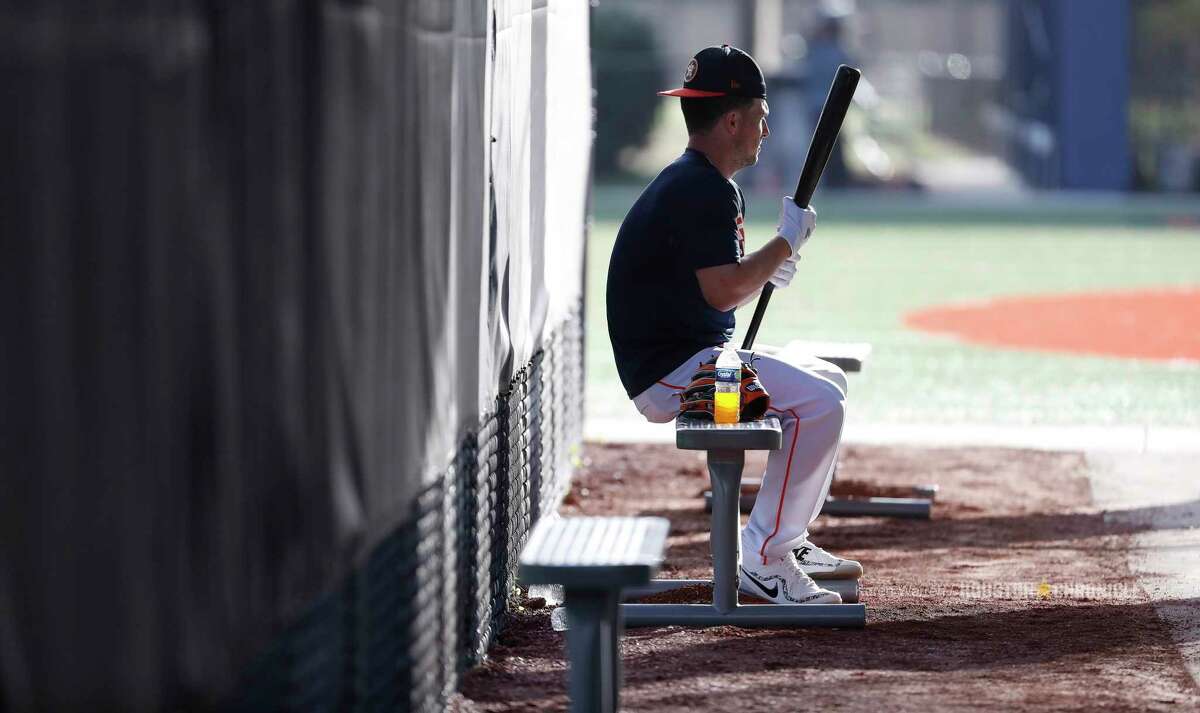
(603, 552)
(764, 435)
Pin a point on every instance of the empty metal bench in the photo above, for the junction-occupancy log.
(727, 445)
(594, 558)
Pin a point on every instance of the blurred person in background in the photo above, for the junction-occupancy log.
(825, 52)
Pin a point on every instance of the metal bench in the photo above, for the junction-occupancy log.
(594, 558)
(850, 358)
(726, 445)
(910, 508)
(847, 356)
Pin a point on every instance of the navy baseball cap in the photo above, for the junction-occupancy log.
(721, 72)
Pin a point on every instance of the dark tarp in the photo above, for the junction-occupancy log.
(252, 295)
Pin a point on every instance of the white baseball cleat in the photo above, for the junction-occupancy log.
(782, 582)
(819, 564)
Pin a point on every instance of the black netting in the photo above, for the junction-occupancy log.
(307, 668)
(564, 409)
(449, 603)
(485, 527)
(431, 597)
(468, 546)
(414, 674)
(514, 491)
(536, 419)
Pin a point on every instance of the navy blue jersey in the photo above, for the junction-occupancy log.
(688, 218)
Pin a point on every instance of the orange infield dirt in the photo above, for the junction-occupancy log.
(1014, 597)
(1161, 324)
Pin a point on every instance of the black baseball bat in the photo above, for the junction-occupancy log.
(845, 81)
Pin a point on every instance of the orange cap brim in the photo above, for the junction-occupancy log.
(689, 93)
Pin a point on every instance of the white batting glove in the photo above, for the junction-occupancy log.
(796, 224)
(784, 273)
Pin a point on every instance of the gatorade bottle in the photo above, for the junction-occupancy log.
(727, 402)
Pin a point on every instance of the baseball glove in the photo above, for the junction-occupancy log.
(696, 401)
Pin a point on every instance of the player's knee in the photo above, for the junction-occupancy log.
(838, 378)
(831, 404)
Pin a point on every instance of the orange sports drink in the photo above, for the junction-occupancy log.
(727, 399)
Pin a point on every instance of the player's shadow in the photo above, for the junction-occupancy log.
(1042, 633)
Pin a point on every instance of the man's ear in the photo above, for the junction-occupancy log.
(732, 121)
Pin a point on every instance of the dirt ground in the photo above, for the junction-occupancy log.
(1015, 596)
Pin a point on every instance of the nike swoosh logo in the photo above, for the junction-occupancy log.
(772, 592)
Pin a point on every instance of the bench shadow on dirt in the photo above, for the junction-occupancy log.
(977, 531)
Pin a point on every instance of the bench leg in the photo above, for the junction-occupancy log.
(594, 678)
(615, 628)
(725, 472)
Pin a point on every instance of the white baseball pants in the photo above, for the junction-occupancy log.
(808, 396)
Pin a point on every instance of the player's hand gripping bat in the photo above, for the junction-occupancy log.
(832, 114)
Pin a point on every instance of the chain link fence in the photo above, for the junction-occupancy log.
(398, 632)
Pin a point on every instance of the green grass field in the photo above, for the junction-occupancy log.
(875, 258)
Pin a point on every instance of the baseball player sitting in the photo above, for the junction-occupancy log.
(678, 271)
